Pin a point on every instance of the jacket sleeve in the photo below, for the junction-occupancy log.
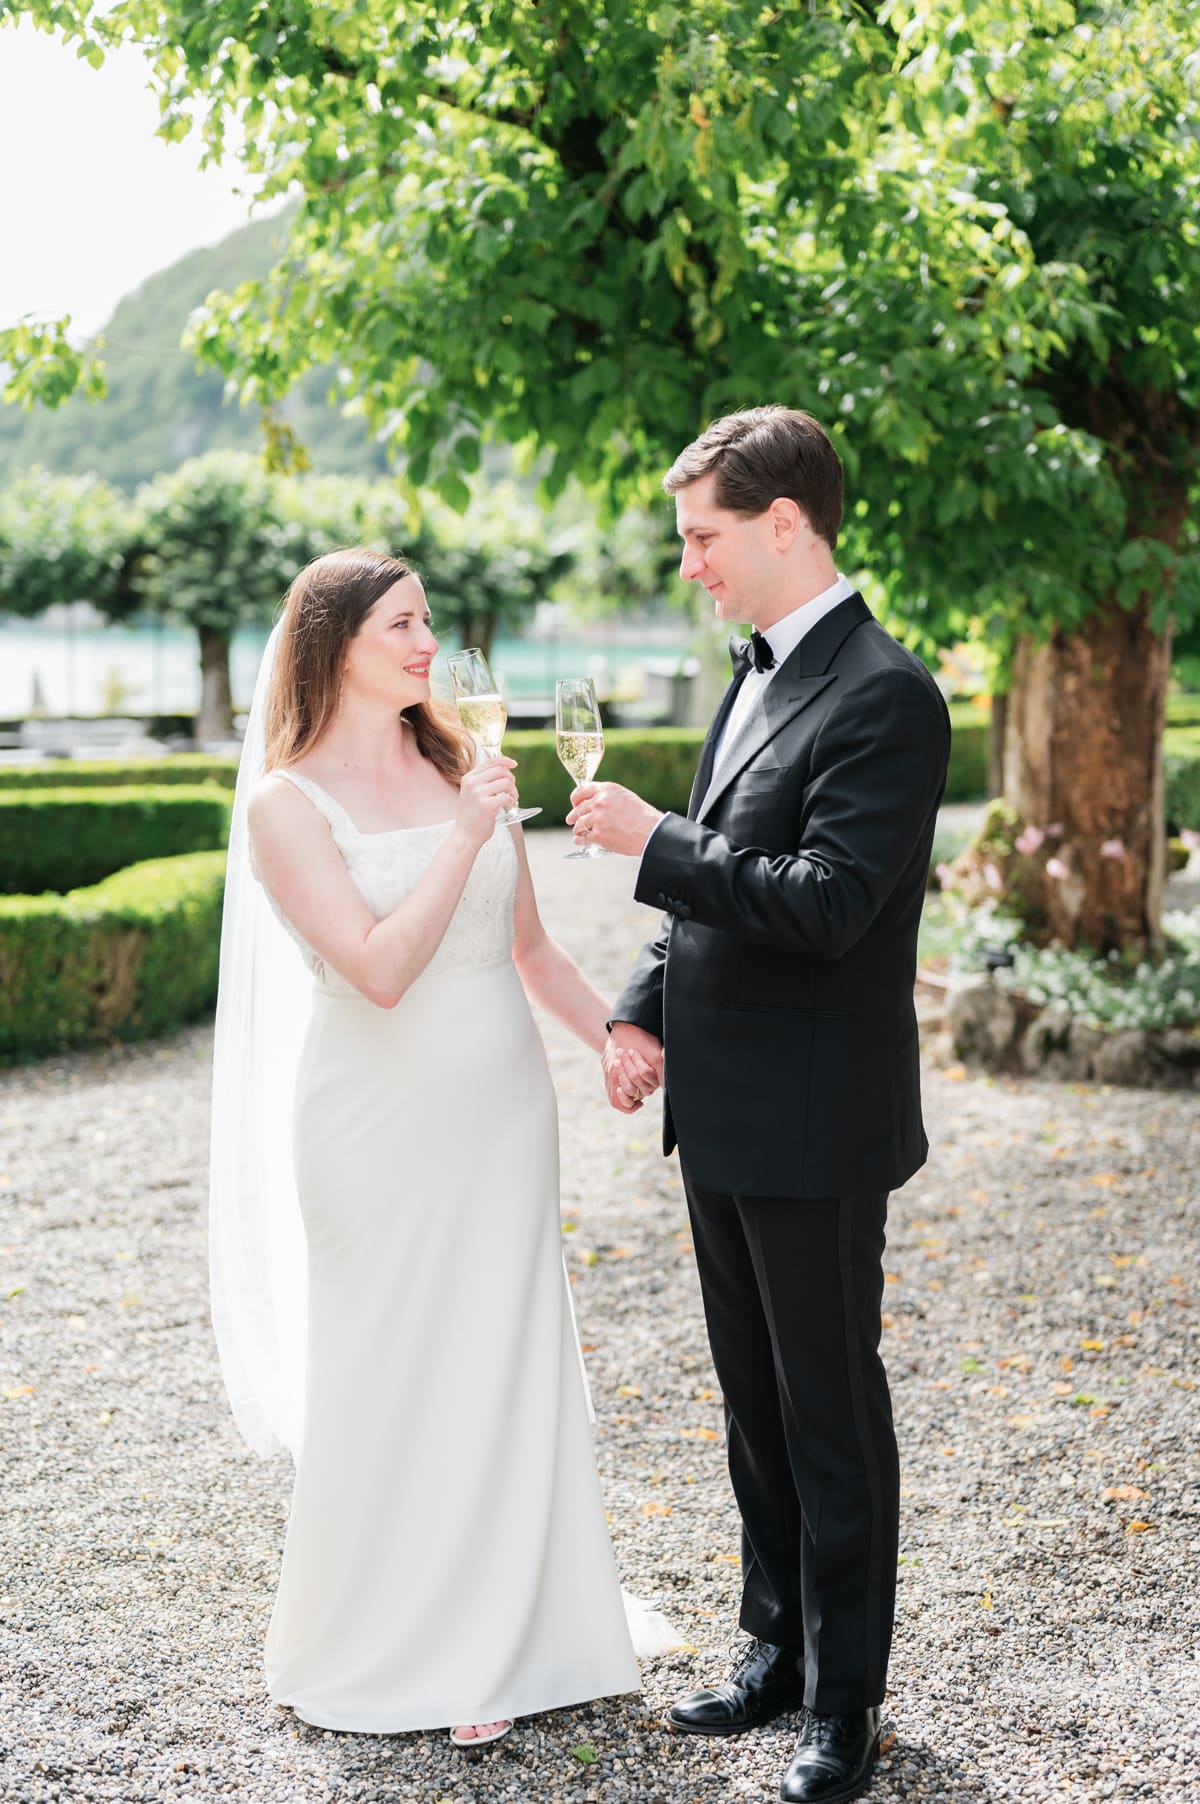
(641, 1000)
(877, 772)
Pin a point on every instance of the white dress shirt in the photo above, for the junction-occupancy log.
(783, 638)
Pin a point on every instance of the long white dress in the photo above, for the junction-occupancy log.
(447, 1559)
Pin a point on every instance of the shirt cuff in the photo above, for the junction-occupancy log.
(654, 829)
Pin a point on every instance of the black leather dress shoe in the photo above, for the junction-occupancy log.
(833, 1758)
(765, 1681)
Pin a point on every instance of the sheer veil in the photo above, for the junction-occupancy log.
(256, 1236)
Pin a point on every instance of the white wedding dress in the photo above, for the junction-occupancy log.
(447, 1559)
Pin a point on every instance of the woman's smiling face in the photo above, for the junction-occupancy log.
(389, 657)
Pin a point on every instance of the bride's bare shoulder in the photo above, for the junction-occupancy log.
(275, 800)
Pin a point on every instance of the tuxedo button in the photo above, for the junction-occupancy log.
(683, 911)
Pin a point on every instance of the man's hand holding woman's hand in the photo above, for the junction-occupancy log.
(632, 1062)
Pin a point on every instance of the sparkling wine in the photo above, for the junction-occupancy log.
(484, 717)
(581, 753)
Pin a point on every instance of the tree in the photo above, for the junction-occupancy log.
(63, 539)
(213, 552)
(963, 234)
(220, 539)
(486, 571)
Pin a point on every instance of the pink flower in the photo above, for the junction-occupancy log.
(992, 877)
(1057, 869)
(944, 874)
(1113, 848)
(1190, 838)
(1030, 840)
(1054, 832)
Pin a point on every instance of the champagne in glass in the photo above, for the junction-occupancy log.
(579, 737)
(483, 713)
(485, 718)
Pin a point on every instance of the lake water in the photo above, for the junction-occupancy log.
(155, 670)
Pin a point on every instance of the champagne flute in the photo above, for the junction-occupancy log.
(579, 737)
(483, 713)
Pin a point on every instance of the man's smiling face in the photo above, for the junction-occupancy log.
(733, 555)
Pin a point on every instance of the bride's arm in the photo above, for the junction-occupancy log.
(305, 875)
(553, 980)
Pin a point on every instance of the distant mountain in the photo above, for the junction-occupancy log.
(159, 409)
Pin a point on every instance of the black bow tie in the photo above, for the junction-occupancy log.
(760, 651)
(755, 650)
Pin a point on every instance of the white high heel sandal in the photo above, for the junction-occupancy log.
(478, 1741)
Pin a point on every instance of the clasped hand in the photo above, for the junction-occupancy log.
(632, 1062)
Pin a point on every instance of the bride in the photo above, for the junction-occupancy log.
(389, 1296)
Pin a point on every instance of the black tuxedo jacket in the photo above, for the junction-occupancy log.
(781, 982)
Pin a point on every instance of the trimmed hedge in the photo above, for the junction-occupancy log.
(666, 755)
(1182, 778)
(61, 839)
(660, 763)
(131, 956)
(66, 773)
(967, 776)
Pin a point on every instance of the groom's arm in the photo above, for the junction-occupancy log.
(641, 1000)
(877, 773)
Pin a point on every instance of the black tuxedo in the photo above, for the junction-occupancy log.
(781, 987)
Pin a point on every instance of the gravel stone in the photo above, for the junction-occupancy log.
(1041, 1336)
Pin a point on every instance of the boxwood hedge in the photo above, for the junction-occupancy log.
(1182, 773)
(131, 956)
(68, 773)
(659, 762)
(60, 839)
(665, 757)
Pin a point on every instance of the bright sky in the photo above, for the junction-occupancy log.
(91, 201)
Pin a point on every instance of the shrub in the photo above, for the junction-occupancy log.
(131, 956)
(60, 839)
(967, 777)
(66, 773)
(660, 764)
(1181, 765)
(1115, 991)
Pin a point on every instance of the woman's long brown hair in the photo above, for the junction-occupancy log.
(322, 611)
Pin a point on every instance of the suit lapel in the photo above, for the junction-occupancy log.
(798, 680)
(704, 769)
(783, 698)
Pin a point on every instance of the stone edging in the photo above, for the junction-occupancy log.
(973, 1020)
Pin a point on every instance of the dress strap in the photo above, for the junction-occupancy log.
(325, 804)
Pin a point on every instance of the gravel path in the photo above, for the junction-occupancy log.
(1041, 1334)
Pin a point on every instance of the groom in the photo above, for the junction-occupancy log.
(776, 1006)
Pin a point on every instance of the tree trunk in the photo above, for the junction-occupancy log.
(996, 738)
(215, 719)
(1083, 766)
(479, 631)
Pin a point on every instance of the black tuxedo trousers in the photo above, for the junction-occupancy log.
(792, 1290)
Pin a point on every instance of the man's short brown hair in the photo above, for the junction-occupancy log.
(761, 454)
